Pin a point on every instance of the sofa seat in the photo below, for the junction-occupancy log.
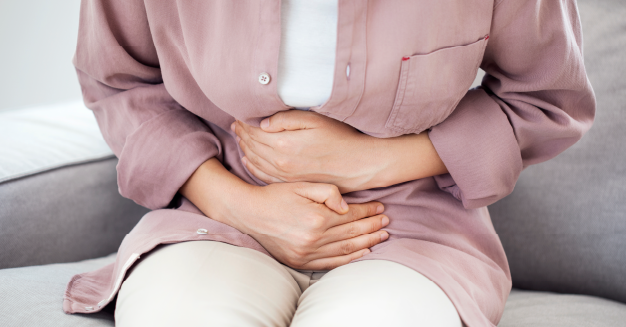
(546, 309)
(32, 296)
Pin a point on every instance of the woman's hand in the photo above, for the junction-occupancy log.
(295, 145)
(303, 225)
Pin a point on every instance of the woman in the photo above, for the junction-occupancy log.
(367, 207)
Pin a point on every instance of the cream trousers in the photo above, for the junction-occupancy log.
(206, 283)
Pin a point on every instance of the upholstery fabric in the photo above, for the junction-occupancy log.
(64, 215)
(37, 139)
(564, 226)
(544, 309)
(30, 296)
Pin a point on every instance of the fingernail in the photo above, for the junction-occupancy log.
(380, 209)
(366, 252)
(265, 123)
(237, 138)
(344, 205)
(384, 236)
(244, 160)
(232, 126)
(385, 221)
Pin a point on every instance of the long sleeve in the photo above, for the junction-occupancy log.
(158, 142)
(535, 101)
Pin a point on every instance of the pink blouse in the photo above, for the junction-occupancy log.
(165, 79)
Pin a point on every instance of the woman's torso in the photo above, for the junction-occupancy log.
(211, 54)
(215, 74)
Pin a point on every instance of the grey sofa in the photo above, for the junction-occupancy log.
(563, 227)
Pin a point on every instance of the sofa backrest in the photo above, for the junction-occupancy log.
(564, 226)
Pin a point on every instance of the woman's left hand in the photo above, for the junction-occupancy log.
(304, 146)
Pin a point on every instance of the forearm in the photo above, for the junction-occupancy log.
(287, 218)
(404, 158)
(212, 188)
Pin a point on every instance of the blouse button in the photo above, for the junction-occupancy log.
(264, 78)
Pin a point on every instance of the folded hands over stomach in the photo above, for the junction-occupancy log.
(303, 225)
(308, 160)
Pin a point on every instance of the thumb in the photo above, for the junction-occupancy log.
(324, 193)
(289, 120)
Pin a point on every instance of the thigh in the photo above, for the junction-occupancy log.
(206, 283)
(375, 293)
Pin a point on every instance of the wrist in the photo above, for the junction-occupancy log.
(228, 205)
(406, 158)
(369, 165)
(217, 192)
(383, 161)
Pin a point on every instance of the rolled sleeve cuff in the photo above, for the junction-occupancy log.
(478, 146)
(161, 155)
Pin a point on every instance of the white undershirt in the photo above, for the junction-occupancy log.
(306, 63)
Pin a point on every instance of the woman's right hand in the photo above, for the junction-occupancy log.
(303, 225)
(308, 225)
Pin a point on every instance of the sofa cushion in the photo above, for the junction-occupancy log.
(59, 200)
(37, 139)
(564, 226)
(544, 309)
(33, 296)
